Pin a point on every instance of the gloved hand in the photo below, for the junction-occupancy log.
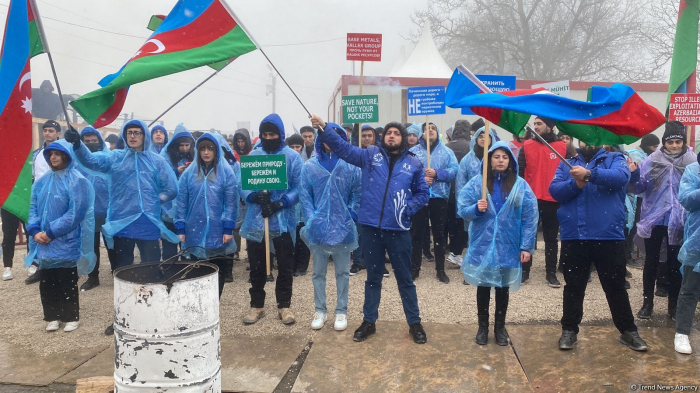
(73, 137)
(261, 198)
(271, 208)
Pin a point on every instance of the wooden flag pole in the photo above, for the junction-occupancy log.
(359, 125)
(485, 160)
(267, 245)
(427, 140)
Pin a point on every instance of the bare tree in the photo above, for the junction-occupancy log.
(545, 39)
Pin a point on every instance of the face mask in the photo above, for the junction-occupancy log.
(93, 147)
(270, 145)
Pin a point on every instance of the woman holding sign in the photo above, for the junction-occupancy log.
(503, 225)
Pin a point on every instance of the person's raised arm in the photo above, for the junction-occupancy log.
(347, 152)
(614, 178)
(98, 162)
(563, 187)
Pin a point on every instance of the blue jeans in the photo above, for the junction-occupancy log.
(397, 244)
(341, 261)
(124, 251)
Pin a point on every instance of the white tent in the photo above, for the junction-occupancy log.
(400, 61)
(425, 61)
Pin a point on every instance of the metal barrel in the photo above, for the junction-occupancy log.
(166, 328)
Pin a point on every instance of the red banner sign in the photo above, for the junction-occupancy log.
(685, 108)
(364, 47)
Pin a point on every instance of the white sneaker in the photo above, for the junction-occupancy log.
(32, 270)
(70, 326)
(53, 326)
(7, 275)
(682, 344)
(454, 259)
(341, 322)
(319, 320)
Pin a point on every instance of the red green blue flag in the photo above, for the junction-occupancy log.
(195, 33)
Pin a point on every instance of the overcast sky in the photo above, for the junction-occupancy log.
(84, 55)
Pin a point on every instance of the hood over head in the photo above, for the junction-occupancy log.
(228, 153)
(272, 123)
(504, 146)
(414, 129)
(461, 130)
(146, 133)
(62, 146)
(243, 134)
(46, 83)
(89, 130)
(208, 136)
(402, 130)
(318, 145)
(494, 137)
(160, 127)
(181, 134)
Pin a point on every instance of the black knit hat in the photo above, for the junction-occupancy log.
(649, 140)
(546, 120)
(295, 139)
(674, 130)
(477, 124)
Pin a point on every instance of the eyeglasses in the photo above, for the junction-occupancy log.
(134, 133)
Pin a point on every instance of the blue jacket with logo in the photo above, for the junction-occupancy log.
(596, 211)
(390, 197)
(444, 162)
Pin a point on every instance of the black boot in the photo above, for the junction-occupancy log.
(482, 335)
(646, 310)
(499, 331)
(442, 277)
(415, 274)
(92, 282)
(499, 325)
(229, 271)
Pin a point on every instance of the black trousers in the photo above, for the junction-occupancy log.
(169, 250)
(454, 227)
(629, 236)
(436, 213)
(224, 264)
(651, 264)
(10, 224)
(609, 260)
(302, 254)
(483, 298)
(95, 273)
(550, 232)
(284, 249)
(58, 289)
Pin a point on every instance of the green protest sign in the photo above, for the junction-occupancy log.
(264, 172)
(360, 109)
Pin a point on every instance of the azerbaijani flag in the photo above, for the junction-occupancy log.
(20, 43)
(195, 33)
(685, 47)
(614, 115)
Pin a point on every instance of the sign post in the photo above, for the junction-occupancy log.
(485, 160)
(426, 100)
(264, 173)
(363, 47)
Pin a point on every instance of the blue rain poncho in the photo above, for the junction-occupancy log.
(658, 179)
(470, 166)
(207, 204)
(171, 150)
(154, 147)
(444, 162)
(327, 200)
(414, 129)
(285, 220)
(100, 184)
(62, 206)
(496, 238)
(140, 182)
(689, 197)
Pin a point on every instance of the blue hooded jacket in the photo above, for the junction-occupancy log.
(62, 206)
(330, 199)
(596, 211)
(140, 181)
(285, 220)
(207, 204)
(470, 165)
(444, 162)
(497, 236)
(689, 197)
(155, 148)
(390, 197)
(170, 151)
(100, 184)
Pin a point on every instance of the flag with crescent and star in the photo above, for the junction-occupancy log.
(195, 33)
(20, 43)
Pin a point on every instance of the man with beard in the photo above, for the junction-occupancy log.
(393, 190)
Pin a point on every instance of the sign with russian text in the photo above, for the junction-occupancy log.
(264, 172)
(685, 108)
(364, 47)
(496, 83)
(426, 100)
(360, 109)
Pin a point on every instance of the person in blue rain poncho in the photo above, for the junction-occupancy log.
(330, 200)
(662, 216)
(442, 171)
(470, 166)
(502, 235)
(94, 142)
(140, 181)
(159, 137)
(206, 207)
(179, 153)
(230, 156)
(61, 228)
(280, 207)
(689, 256)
